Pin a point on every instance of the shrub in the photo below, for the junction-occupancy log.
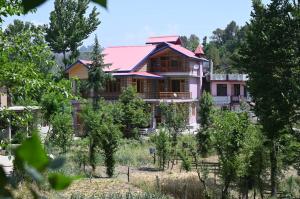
(162, 144)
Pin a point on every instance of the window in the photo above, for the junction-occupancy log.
(139, 85)
(221, 89)
(236, 90)
(154, 62)
(177, 85)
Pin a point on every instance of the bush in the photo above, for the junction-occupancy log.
(19, 137)
(162, 144)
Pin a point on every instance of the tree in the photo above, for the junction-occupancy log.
(190, 43)
(162, 145)
(9, 8)
(103, 133)
(205, 114)
(26, 42)
(69, 26)
(230, 131)
(136, 113)
(175, 119)
(62, 131)
(270, 56)
(97, 78)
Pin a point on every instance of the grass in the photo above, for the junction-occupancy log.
(128, 195)
(134, 153)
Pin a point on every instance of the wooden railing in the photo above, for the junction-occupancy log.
(175, 95)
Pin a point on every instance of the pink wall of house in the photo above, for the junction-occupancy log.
(213, 87)
(194, 87)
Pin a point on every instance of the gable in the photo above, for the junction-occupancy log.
(78, 70)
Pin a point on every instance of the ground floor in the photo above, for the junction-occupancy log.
(156, 119)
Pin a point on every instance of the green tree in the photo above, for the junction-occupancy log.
(9, 8)
(270, 57)
(136, 113)
(229, 133)
(103, 134)
(205, 114)
(26, 42)
(69, 26)
(97, 78)
(62, 131)
(162, 145)
(190, 43)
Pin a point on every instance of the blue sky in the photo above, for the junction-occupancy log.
(130, 22)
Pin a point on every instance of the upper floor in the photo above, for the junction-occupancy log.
(229, 89)
(162, 69)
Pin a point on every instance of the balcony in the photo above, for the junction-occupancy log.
(218, 77)
(175, 95)
(237, 77)
(226, 100)
(229, 77)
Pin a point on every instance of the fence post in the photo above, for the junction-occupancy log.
(128, 174)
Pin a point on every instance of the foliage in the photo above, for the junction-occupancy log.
(19, 137)
(162, 145)
(205, 114)
(270, 56)
(190, 43)
(34, 166)
(9, 8)
(25, 42)
(239, 146)
(135, 111)
(62, 131)
(175, 118)
(69, 26)
(103, 133)
(30, 5)
(26, 85)
(223, 47)
(186, 163)
(80, 156)
(97, 78)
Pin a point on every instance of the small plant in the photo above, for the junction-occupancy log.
(19, 137)
(186, 162)
(162, 144)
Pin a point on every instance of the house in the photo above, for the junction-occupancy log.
(162, 70)
(229, 90)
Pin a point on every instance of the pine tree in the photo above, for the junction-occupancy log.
(97, 78)
(69, 27)
(271, 58)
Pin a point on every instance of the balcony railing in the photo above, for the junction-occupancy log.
(175, 95)
(221, 100)
(229, 77)
(225, 100)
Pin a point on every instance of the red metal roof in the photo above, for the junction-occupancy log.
(161, 39)
(199, 50)
(183, 51)
(125, 58)
(139, 74)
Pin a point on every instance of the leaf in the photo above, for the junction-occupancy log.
(57, 163)
(34, 174)
(31, 4)
(3, 178)
(103, 3)
(59, 181)
(31, 152)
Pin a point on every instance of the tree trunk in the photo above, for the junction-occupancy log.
(225, 190)
(273, 160)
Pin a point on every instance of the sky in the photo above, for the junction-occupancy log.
(131, 22)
